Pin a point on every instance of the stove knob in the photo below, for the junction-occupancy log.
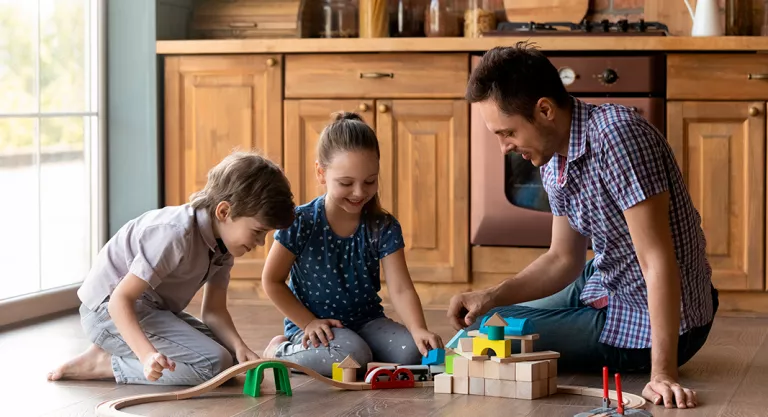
(608, 76)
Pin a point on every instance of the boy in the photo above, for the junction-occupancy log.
(134, 296)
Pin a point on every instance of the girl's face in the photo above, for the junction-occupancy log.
(351, 179)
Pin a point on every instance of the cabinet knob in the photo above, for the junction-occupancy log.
(754, 111)
(383, 108)
(271, 62)
(362, 107)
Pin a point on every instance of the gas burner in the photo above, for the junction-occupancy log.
(585, 27)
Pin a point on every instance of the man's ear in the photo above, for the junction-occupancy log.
(222, 211)
(545, 108)
(319, 173)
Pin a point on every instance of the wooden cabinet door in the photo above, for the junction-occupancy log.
(304, 121)
(720, 147)
(425, 184)
(214, 105)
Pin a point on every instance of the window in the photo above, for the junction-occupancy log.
(52, 209)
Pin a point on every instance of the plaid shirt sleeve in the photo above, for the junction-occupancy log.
(631, 162)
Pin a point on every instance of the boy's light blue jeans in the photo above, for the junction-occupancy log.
(181, 337)
(566, 325)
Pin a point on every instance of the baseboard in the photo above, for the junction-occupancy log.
(22, 309)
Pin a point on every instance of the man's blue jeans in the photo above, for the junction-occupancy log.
(566, 325)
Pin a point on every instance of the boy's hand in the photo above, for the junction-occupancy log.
(319, 332)
(426, 340)
(243, 354)
(154, 365)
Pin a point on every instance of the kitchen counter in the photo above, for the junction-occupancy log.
(548, 43)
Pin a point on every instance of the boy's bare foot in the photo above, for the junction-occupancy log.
(269, 352)
(94, 363)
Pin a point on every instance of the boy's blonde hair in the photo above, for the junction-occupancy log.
(253, 185)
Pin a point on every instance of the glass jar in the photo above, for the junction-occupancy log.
(442, 18)
(406, 18)
(339, 19)
(480, 17)
(374, 19)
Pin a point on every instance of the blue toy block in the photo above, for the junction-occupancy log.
(434, 357)
(454, 342)
(514, 327)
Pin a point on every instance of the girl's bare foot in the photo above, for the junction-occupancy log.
(269, 352)
(94, 363)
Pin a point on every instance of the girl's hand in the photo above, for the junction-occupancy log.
(319, 332)
(154, 365)
(426, 340)
(243, 354)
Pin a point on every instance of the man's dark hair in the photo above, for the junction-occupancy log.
(515, 78)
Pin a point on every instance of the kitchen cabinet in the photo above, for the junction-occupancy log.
(213, 105)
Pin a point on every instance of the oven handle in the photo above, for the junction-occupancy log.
(757, 76)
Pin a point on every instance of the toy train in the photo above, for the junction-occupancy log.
(421, 373)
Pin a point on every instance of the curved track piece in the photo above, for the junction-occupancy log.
(630, 400)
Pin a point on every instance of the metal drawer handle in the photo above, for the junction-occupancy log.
(377, 75)
(757, 76)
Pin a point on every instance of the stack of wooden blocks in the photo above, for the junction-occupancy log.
(483, 364)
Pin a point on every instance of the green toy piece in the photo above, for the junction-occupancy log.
(449, 364)
(495, 333)
(254, 377)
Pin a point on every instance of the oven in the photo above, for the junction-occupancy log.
(508, 205)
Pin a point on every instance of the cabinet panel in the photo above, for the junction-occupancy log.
(720, 147)
(430, 183)
(214, 105)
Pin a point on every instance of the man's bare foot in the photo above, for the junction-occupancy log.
(269, 352)
(94, 363)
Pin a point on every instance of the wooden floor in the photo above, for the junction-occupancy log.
(730, 374)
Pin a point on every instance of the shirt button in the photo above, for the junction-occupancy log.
(613, 293)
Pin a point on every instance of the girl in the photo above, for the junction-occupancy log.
(332, 252)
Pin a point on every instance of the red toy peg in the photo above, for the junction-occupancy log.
(606, 400)
(620, 406)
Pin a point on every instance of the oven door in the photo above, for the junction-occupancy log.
(509, 206)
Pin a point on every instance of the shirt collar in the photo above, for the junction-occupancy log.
(577, 144)
(205, 224)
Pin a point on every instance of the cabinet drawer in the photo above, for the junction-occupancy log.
(376, 75)
(717, 77)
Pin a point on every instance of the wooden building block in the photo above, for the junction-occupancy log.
(443, 384)
(501, 348)
(492, 387)
(476, 386)
(461, 366)
(337, 374)
(349, 375)
(491, 370)
(372, 365)
(507, 371)
(526, 346)
(523, 357)
(508, 389)
(464, 346)
(532, 371)
(472, 357)
(530, 390)
(552, 367)
(552, 386)
(460, 384)
(449, 363)
(477, 369)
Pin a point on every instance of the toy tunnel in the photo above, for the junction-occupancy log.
(255, 376)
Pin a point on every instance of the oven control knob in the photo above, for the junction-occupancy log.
(608, 76)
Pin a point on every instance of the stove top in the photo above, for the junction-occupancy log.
(584, 28)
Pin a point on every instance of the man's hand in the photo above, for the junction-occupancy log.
(426, 340)
(155, 363)
(243, 354)
(665, 388)
(319, 332)
(465, 308)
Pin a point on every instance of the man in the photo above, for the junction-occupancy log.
(645, 302)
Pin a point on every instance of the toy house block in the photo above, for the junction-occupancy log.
(496, 320)
(460, 384)
(443, 384)
(492, 387)
(507, 371)
(461, 366)
(491, 370)
(464, 345)
(552, 367)
(454, 342)
(337, 374)
(508, 389)
(449, 363)
(434, 357)
(349, 369)
(526, 346)
(477, 369)
(372, 365)
(481, 346)
(532, 371)
(476, 386)
(530, 390)
(552, 386)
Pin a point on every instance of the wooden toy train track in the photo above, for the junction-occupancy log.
(112, 408)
